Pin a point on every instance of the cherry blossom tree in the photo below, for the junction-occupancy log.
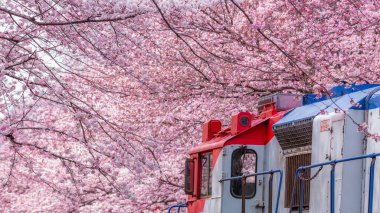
(101, 100)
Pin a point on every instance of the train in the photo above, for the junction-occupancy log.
(299, 153)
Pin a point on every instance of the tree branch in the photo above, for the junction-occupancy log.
(84, 21)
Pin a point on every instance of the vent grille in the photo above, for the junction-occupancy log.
(295, 134)
(292, 164)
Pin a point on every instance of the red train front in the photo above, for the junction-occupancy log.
(236, 150)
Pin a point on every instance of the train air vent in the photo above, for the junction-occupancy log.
(294, 134)
(292, 163)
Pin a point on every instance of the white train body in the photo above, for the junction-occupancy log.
(285, 139)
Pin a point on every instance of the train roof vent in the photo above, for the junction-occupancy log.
(282, 101)
(294, 134)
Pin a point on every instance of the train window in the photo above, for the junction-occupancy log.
(189, 176)
(243, 162)
(206, 174)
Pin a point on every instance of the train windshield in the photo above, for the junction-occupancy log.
(243, 162)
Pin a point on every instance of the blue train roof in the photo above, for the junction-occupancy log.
(337, 91)
(357, 94)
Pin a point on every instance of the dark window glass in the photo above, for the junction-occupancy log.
(206, 174)
(243, 162)
(189, 176)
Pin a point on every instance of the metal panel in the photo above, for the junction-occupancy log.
(274, 158)
(372, 147)
(352, 178)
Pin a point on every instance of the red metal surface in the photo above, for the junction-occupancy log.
(195, 206)
(210, 128)
(259, 133)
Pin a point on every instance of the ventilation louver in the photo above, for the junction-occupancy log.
(292, 164)
(294, 134)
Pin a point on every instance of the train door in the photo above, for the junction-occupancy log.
(328, 137)
(239, 160)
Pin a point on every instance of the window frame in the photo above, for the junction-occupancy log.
(209, 181)
(255, 185)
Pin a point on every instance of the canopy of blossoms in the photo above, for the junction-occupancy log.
(101, 100)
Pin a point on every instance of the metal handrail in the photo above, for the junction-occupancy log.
(244, 178)
(179, 206)
(332, 180)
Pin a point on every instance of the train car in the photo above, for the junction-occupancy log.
(234, 169)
